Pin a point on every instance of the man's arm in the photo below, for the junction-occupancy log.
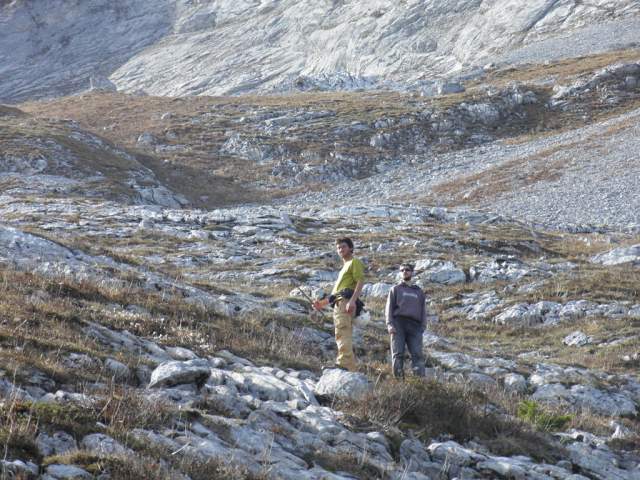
(351, 304)
(388, 312)
(357, 270)
(423, 320)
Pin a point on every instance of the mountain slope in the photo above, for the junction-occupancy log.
(168, 47)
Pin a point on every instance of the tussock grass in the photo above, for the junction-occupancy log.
(439, 410)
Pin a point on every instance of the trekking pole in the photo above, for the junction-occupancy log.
(304, 294)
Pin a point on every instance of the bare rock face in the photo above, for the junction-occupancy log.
(180, 47)
(66, 43)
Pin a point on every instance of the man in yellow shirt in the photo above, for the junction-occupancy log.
(350, 281)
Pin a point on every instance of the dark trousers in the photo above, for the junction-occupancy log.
(409, 333)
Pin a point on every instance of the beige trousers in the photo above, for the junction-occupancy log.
(343, 323)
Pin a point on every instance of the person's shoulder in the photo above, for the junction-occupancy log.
(357, 261)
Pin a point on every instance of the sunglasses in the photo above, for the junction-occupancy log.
(406, 270)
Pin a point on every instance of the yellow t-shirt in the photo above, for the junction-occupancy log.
(352, 272)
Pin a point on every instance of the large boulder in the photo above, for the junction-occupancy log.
(514, 382)
(169, 374)
(602, 402)
(598, 462)
(342, 384)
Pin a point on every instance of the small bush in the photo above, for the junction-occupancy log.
(531, 412)
(433, 409)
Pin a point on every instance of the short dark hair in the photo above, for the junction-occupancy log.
(346, 240)
(406, 265)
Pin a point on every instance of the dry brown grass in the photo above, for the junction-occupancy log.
(151, 464)
(39, 333)
(431, 409)
(561, 71)
(36, 334)
(202, 123)
(510, 341)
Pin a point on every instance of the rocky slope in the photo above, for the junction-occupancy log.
(535, 143)
(179, 47)
(143, 306)
(157, 255)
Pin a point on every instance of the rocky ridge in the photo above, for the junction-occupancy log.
(178, 47)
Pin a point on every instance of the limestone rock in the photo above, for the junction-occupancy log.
(66, 472)
(18, 469)
(454, 453)
(101, 444)
(619, 256)
(376, 290)
(180, 353)
(602, 402)
(343, 384)
(434, 271)
(598, 462)
(97, 83)
(514, 382)
(117, 369)
(56, 444)
(577, 339)
(354, 48)
(175, 373)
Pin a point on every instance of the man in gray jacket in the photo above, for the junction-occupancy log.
(406, 317)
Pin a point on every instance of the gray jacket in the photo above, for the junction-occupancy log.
(407, 301)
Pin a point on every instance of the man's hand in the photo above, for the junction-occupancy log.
(391, 329)
(320, 304)
(350, 307)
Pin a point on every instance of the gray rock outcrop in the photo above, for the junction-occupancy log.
(177, 373)
(343, 384)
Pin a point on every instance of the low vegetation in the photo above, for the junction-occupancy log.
(448, 411)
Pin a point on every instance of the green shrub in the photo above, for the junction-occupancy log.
(531, 412)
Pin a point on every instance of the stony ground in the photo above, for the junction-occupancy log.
(141, 337)
(143, 307)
